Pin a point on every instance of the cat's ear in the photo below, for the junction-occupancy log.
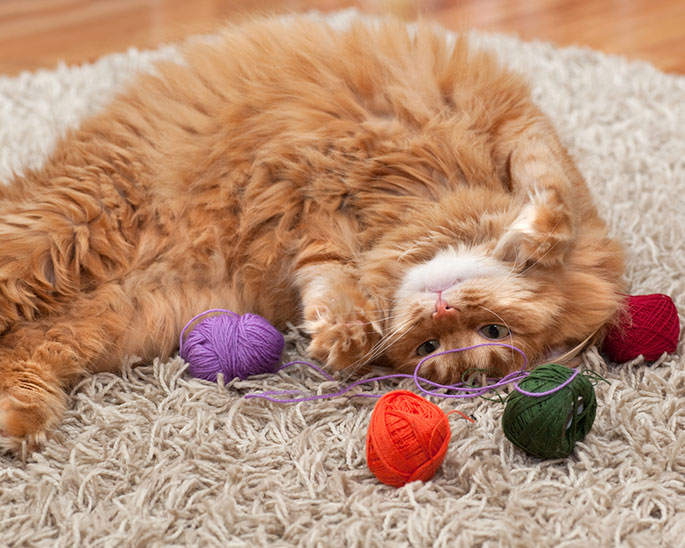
(537, 175)
(549, 190)
(540, 233)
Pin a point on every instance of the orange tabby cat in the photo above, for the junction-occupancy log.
(396, 194)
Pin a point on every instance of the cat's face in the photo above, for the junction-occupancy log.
(463, 297)
(445, 293)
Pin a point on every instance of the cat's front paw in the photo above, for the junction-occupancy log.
(345, 338)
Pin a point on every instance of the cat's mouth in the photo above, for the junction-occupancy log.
(439, 288)
(447, 269)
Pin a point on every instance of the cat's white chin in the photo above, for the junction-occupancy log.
(449, 267)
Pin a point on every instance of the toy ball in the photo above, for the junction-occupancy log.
(237, 346)
(650, 328)
(407, 438)
(549, 426)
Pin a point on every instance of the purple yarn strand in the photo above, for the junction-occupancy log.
(183, 331)
(476, 391)
(469, 390)
(548, 392)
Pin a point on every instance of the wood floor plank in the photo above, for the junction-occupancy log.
(39, 33)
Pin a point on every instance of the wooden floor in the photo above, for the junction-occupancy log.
(39, 33)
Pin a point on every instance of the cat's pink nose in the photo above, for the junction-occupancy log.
(443, 310)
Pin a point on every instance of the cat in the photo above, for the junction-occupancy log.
(395, 193)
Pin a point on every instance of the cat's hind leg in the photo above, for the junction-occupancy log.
(40, 360)
(140, 315)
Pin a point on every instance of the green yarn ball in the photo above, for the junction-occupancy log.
(549, 426)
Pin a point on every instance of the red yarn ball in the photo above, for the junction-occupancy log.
(407, 438)
(650, 327)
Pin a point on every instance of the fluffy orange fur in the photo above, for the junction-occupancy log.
(299, 173)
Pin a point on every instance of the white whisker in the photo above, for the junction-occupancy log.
(573, 352)
(500, 318)
(536, 262)
(547, 236)
(381, 346)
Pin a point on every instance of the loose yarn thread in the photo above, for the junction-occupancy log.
(462, 389)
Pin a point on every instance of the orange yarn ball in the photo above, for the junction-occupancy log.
(407, 438)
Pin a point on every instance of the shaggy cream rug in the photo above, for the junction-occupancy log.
(153, 457)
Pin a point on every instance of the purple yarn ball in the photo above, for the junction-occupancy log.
(237, 346)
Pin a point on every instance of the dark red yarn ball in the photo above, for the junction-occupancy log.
(650, 327)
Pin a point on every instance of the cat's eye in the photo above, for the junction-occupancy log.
(428, 347)
(494, 332)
